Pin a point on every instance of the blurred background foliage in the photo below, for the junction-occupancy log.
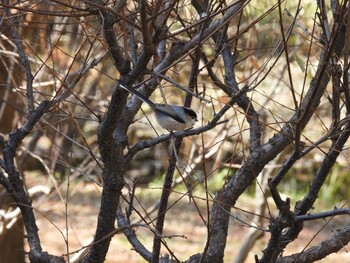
(59, 46)
(65, 143)
(62, 151)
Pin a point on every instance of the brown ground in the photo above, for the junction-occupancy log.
(182, 220)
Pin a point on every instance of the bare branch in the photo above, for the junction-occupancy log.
(335, 212)
(14, 185)
(332, 245)
(24, 59)
(131, 236)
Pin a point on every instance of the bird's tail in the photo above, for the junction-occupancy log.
(136, 93)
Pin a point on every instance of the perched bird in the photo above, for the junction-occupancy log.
(170, 117)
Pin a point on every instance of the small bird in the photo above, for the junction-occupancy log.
(170, 117)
